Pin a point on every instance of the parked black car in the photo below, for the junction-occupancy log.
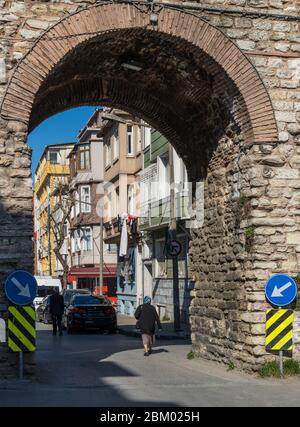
(90, 312)
(68, 294)
(43, 311)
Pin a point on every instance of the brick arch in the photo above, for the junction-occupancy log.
(254, 111)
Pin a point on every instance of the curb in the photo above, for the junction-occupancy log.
(137, 334)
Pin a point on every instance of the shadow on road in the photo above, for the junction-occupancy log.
(75, 370)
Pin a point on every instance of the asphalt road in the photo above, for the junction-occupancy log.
(92, 369)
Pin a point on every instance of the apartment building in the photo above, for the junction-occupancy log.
(159, 158)
(53, 168)
(122, 138)
(86, 187)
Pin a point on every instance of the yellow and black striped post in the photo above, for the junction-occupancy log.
(21, 329)
(279, 330)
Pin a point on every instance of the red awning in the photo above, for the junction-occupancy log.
(109, 270)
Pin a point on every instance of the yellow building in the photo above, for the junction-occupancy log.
(53, 167)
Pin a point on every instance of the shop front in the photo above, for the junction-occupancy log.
(89, 278)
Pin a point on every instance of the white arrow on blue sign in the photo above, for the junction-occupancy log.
(21, 288)
(281, 290)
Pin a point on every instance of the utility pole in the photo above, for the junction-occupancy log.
(49, 236)
(101, 260)
(172, 236)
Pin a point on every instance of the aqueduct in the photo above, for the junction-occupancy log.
(222, 82)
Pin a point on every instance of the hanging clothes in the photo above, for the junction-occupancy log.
(121, 266)
(131, 264)
(124, 237)
(134, 227)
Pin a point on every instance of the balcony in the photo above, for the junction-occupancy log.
(112, 232)
(157, 213)
(50, 169)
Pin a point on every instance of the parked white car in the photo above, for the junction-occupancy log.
(46, 286)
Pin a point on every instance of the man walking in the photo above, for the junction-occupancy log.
(57, 307)
(147, 318)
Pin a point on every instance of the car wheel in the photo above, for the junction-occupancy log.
(113, 330)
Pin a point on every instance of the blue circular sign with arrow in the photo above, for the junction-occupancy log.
(21, 288)
(281, 290)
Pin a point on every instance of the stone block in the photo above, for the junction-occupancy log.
(3, 75)
(285, 116)
(254, 317)
(294, 128)
(283, 136)
(243, 23)
(277, 36)
(30, 34)
(246, 44)
(290, 84)
(293, 238)
(285, 173)
(282, 26)
(37, 24)
(262, 24)
(282, 47)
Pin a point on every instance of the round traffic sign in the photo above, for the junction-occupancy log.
(281, 290)
(174, 248)
(21, 288)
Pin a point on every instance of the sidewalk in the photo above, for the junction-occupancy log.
(126, 326)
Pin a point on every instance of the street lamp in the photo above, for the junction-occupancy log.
(132, 64)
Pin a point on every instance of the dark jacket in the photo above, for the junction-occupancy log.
(147, 317)
(57, 305)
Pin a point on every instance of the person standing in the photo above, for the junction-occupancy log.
(57, 307)
(147, 318)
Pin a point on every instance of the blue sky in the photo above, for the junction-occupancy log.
(62, 127)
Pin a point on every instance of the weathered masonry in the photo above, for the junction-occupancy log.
(221, 80)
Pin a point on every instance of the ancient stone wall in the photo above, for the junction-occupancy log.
(252, 204)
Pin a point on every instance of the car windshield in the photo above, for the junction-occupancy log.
(89, 300)
(69, 295)
(43, 291)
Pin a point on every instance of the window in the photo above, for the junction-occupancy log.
(77, 203)
(53, 157)
(115, 145)
(85, 199)
(162, 265)
(66, 229)
(129, 141)
(116, 204)
(86, 238)
(139, 139)
(109, 206)
(107, 154)
(84, 157)
(180, 173)
(163, 177)
(146, 136)
(112, 248)
(77, 241)
(130, 199)
(73, 165)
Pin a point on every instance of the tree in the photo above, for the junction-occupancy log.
(59, 217)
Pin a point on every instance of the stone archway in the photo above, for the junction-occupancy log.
(197, 88)
(254, 113)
